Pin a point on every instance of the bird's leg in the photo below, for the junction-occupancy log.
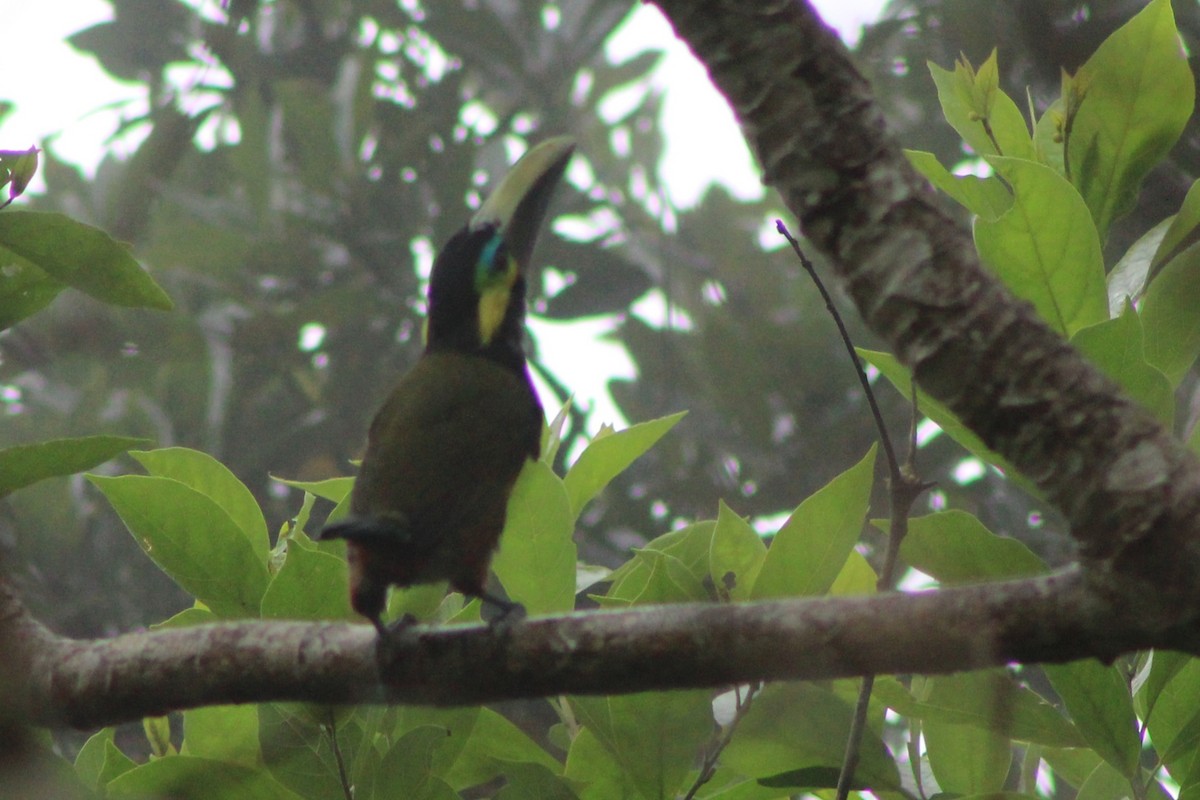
(510, 612)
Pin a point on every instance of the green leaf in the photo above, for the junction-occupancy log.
(310, 585)
(1098, 701)
(406, 769)
(654, 737)
(81, 256)
(189, 778)
(24, 289)
(1138, 94)
(89, 761)
(987, 197)
(966, 760)
(27, 464)
(224, 733)
(1164, 666)
(522, 781)
(1127, 280)
(493, 747)
(1184, 231)
(1116, 347)
(812, 546)
(986, 699)
(591, 766)
(196, 615)
(768, 740)
(299, 752)
(955, 547)
(662, 578)
(1175, 724)
(609, 455)
(212, 479)
(973, 104)
(1169, 321)
(192, 539)
(688, 549)
(1045, 247)
(333, 489)
(536, 559)
(736, 555)
(1105, 783)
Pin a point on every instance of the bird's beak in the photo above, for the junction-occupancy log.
(518, 205)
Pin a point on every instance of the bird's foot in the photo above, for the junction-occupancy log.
(394, 639)
(510, 613)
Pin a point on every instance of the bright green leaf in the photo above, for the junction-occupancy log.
(224, 733)
(1045, 247)
(189, 778)
(812, 546)
(987, 197)
(536, 558)
(311, 585)
(81, 256)
(1116, 347)
(606, 458)
(192, 539)
(955, 547)
(27, 464)
(975, 106)
(333, 489)
(212, 479)
(737, 554)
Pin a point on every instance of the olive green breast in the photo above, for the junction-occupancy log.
(448, 443)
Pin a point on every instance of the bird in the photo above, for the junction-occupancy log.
(445, 449)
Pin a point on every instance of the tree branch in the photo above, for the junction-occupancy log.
(91, 683)
(1130, 490)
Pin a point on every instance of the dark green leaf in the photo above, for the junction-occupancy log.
(1098, 701)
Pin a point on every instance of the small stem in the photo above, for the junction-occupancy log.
(903, 489)
(709, 767)
(331, 729)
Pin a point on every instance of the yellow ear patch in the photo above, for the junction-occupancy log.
(493, 302)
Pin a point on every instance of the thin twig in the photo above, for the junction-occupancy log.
(709, 767)
(331, 729)
(885, 440)
(904, 487)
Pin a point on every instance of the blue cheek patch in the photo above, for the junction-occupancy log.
(486, 267)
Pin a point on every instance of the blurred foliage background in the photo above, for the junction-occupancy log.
(294, 183)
